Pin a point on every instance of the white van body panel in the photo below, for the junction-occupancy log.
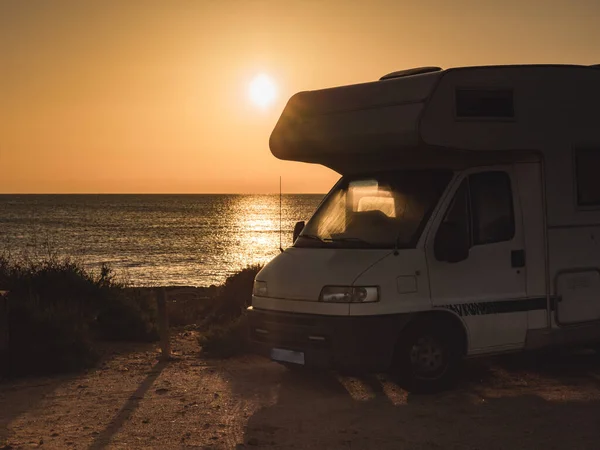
(555, 112)
(552, 105)
(485, 280)
(528, 177)
(403, 284)
(301, 273)
(483, 276)
(579, 290)
(575, 272)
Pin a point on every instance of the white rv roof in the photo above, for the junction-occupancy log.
(405, 115)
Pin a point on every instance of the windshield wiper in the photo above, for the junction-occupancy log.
(352, 239)
(312, 236)
(338, 239)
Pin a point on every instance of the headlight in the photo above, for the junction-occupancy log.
(260, 288)
(348, 294)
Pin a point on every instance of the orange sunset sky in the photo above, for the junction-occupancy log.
(153, 96)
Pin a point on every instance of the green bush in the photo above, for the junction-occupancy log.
(225, 340)
(128, 316)
(189, 305)
(232, 299)
(45, 339)
(224, 331)
(57, 309)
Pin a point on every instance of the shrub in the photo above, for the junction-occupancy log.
(224, 331)
(232, 298)
(189, 305)
(57, 308)
(128, 316)
(45, 339)
(225, 340)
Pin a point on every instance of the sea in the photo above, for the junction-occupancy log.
(153, 240)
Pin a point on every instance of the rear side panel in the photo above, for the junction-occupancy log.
(575, 273)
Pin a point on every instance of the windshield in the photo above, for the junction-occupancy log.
(383, 210)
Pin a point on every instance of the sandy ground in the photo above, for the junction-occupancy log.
(134, 401)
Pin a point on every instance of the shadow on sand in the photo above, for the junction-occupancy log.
(18, 397)
(22, 396)
(103, 439)
(524, 401)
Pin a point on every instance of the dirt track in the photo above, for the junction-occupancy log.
(133, 401)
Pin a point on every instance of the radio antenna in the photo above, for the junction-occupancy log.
(280, 246)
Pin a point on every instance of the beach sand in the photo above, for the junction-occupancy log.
(134, 401)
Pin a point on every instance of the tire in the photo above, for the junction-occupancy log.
(427, 356)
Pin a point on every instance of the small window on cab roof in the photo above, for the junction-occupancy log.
(484, 103)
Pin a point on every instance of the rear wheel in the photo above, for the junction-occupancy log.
(428, 356)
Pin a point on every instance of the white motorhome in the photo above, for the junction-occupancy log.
(466, 221)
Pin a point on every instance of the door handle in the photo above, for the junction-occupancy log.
(517, 258)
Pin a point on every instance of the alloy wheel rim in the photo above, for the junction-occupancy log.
(427, 358)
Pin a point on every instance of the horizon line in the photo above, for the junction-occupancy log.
(162, 193)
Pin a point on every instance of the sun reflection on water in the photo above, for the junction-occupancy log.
(155, 239)
(256, 224)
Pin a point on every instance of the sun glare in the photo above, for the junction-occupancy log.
(262, 91)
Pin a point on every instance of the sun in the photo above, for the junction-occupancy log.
(262, 91)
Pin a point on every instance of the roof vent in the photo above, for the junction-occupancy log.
(409, 72)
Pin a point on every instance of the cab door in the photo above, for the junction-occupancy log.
(486, 283)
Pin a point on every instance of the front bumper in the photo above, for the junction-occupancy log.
(363, 343)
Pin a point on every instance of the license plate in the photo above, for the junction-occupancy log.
(281, 354)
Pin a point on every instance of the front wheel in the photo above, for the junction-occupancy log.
(427, 356)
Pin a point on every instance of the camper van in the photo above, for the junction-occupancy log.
(466, 222)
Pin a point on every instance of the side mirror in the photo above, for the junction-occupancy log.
(451, 243)
(297, 230)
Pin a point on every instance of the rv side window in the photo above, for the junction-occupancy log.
(492, 207)
(453, 237)
(485, 103)
(588, 183)
(482, 209)
(458, 212)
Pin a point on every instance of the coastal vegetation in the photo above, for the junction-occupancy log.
(57, 312)
(223, 332)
